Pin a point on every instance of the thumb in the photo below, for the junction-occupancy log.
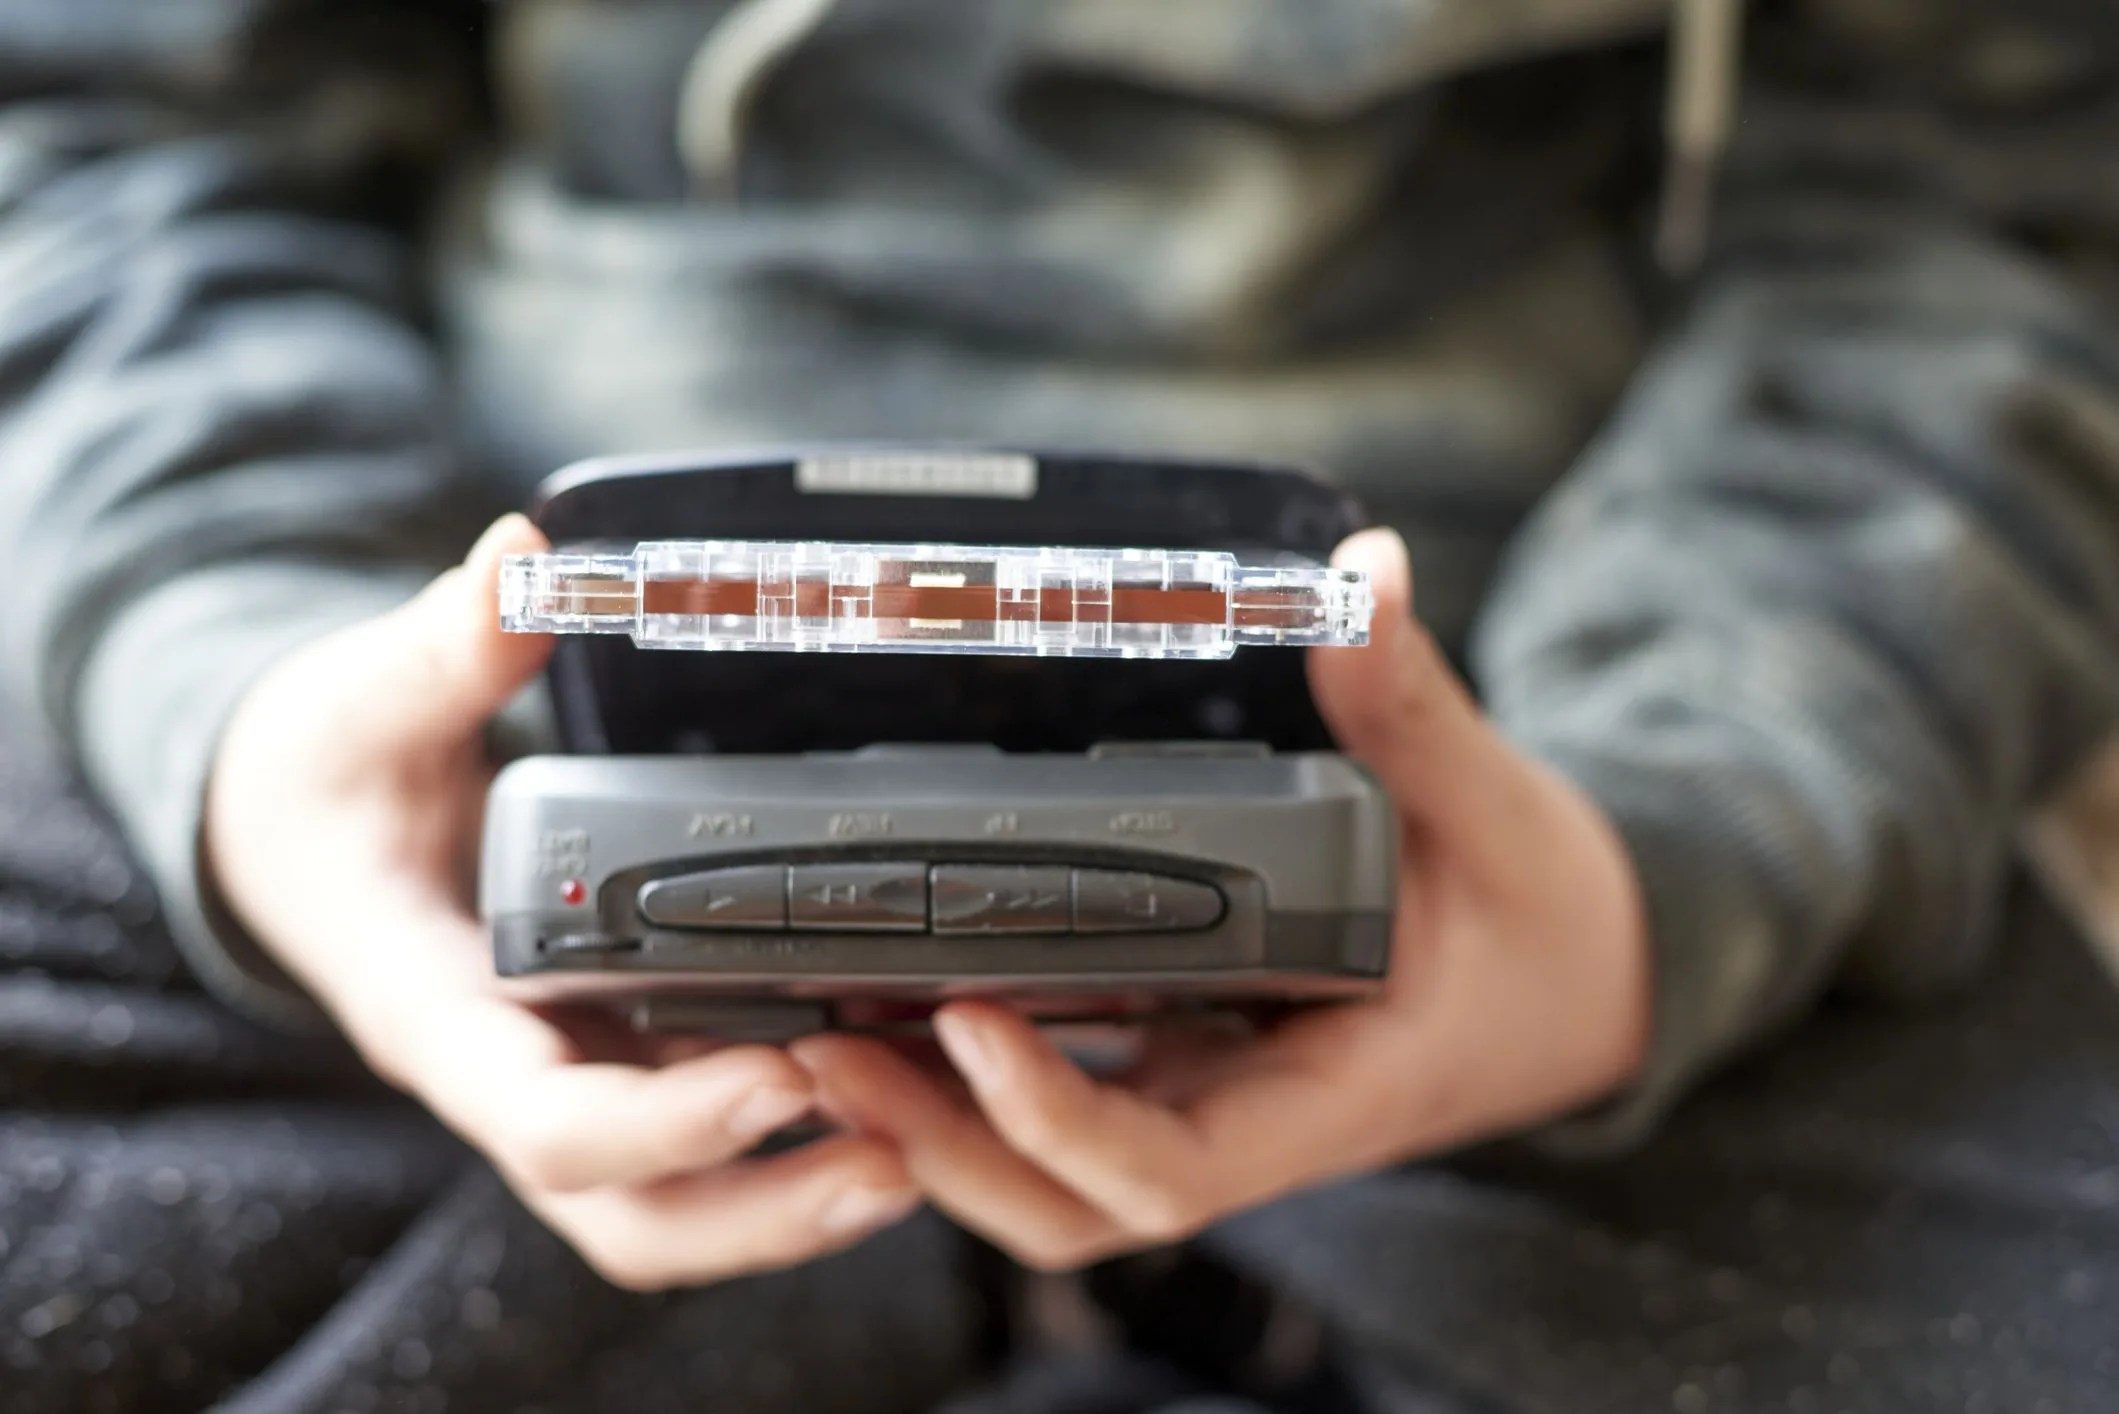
(447, 666)
(1396, 705)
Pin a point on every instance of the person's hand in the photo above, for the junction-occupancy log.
(1519, 989)
(341, 828)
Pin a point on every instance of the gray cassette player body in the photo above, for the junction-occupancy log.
(782, 894)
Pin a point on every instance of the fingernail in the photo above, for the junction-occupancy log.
(1402, 553)
(967, 1049)
(502, 529)
(763, 1111)
(1387, 542)
(865, 1209)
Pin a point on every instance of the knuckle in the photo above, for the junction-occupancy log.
(544, 1153)
(1420, 693)
(382, 1044)
(675, 1137)
(1160, 1214)
(378, 1047)
(1039, 1123)
(766, 1245)
(1053, 1256)
(626, 1267)
(875, 1166)
(777, 1248)
(386, 1065)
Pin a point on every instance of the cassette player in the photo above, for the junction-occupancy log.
(988, 755)
(849, 890)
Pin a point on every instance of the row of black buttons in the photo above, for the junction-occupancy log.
(916, 897)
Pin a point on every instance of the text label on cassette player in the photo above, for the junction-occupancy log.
(562, 852)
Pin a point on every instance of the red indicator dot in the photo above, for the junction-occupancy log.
(572, 892)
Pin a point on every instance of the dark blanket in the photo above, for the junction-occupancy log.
(195, 1209)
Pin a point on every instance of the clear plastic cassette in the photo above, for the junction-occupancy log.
(735, 595)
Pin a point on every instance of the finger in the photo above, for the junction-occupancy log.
(1142, 1164)
(1301, 1101)
(1396, 705)
(513, 1086)
(1176, 1063)
(666, 1050)
(965, 1169)
(1270, 1117)
(745, 1217)
(1307, 1088)
(445, 664)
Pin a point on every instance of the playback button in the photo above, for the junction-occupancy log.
(985, 898)
(1116, 901)
(860, 898)
(752, 898)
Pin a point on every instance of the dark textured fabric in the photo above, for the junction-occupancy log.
(1896, 1212)
(1893, 1212)
(194, 1208)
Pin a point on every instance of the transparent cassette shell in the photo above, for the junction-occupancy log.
(746, 596)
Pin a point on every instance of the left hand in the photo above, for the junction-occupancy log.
(1519, 989)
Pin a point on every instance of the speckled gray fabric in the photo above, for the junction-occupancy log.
(1893, 1212)
(194, 1209)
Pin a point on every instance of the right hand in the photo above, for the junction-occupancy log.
(341, 828)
